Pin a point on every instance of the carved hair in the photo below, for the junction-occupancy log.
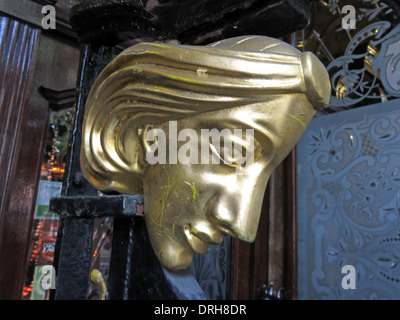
(151, 83)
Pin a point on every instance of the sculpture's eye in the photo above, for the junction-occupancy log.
(232, 153)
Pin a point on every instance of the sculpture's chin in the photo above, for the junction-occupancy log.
(175, 258)
(182, 264)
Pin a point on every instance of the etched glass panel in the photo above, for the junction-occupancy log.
(348, 175)
(211, 270)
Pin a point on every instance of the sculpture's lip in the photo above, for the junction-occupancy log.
(200, 241)
(205, 237)
(226, 230)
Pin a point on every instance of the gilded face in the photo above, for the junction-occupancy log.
(245, 83)
(188, 207)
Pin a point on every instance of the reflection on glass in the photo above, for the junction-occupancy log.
(45, 224)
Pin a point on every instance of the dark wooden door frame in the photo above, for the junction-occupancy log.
(23, 126)
(21, 133)
(272, 257)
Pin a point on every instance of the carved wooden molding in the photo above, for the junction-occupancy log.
(58, 100)
(17, 163)
(189, 21)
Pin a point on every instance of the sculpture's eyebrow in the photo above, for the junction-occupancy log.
(270, 46)
(234, 162)
(245, 141)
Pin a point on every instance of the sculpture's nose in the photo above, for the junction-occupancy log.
(318, 87)
(239, 216)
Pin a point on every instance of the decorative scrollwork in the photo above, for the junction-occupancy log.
(367, 69)
(359, 76)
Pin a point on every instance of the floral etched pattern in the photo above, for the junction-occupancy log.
(210, 270)
(349, 203)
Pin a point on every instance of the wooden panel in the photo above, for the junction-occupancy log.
(18, 173)
(277, 230)
(249, 261)
(282, 265)
(273, 255)
(290, 229)
(16, 52)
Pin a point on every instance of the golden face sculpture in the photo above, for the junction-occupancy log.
(198, 130)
